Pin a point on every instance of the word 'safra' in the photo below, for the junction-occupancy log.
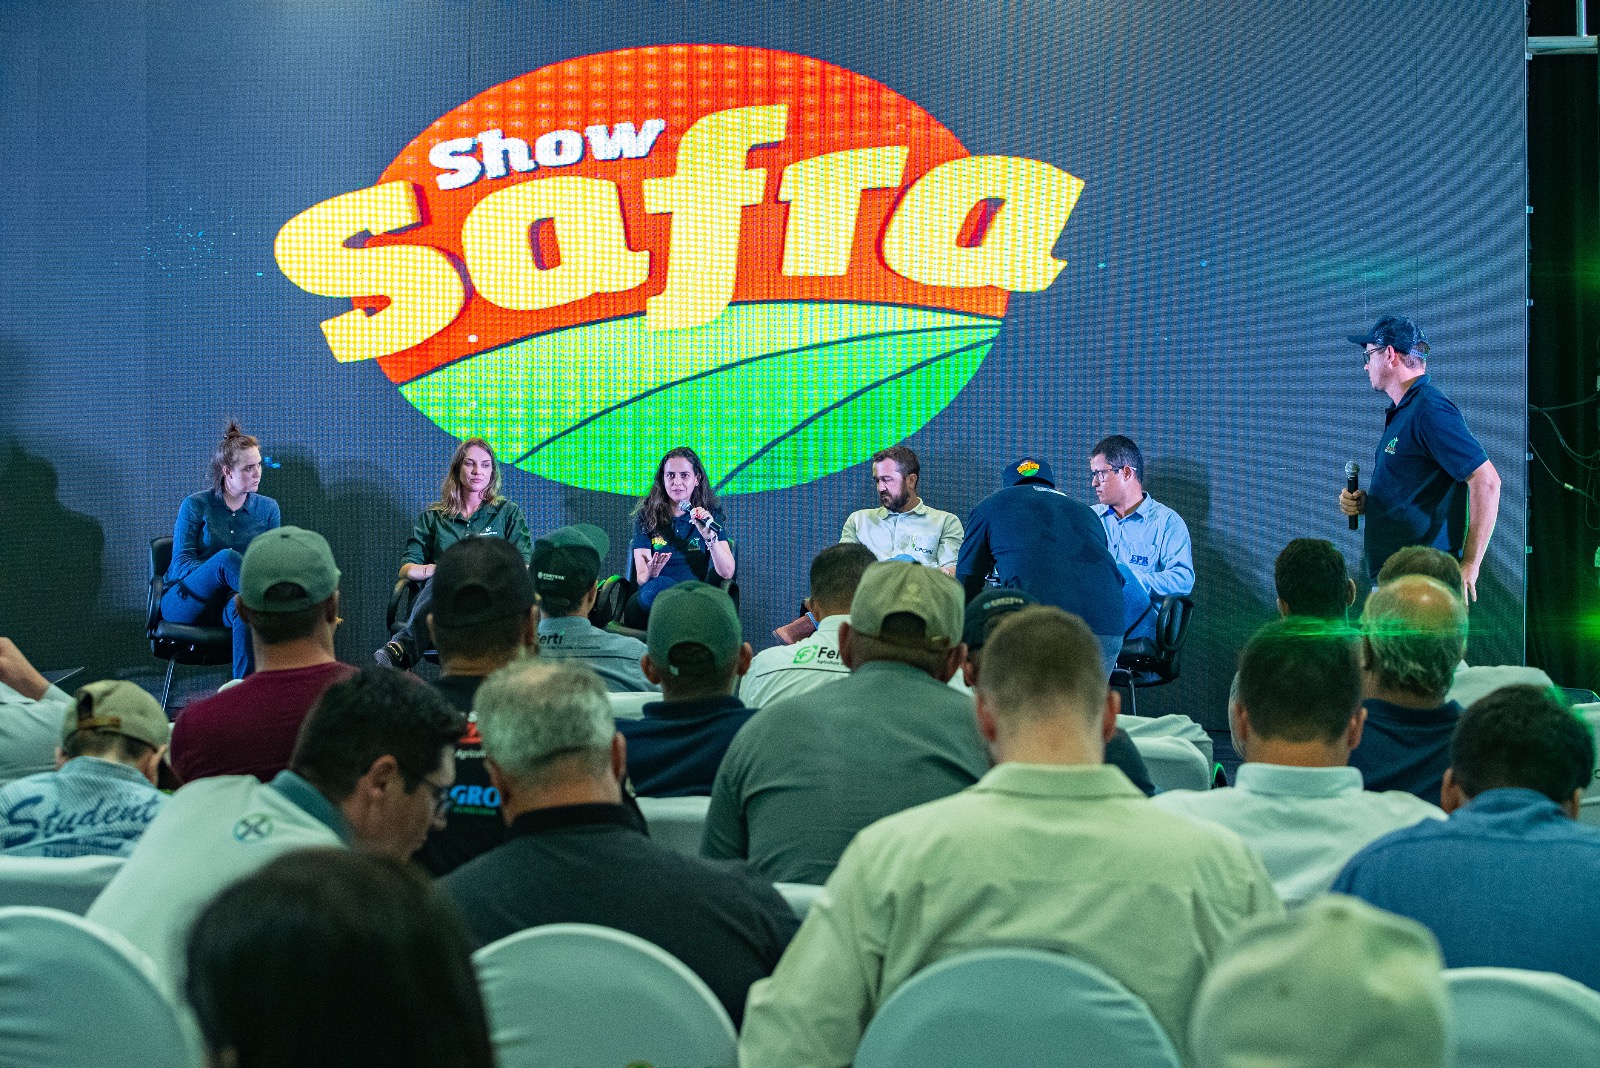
(705, 199)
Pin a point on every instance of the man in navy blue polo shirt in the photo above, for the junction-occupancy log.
(1430, 472)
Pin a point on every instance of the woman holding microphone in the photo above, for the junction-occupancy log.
(677, 533)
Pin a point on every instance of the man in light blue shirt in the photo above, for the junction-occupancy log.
(1296, 801)
(566, 563)
(1149, 541)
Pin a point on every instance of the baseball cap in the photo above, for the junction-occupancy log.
(1395, 330)
(693, 613)
(287, 555)
(894, 586)
(478, 580)
(566, 562)
(1029, 467)
(117, 707)
(1336, 982)
(987, 609)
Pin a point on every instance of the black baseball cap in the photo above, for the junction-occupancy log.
(987, 609)
(1029, 469)
(478, 580)
(1397, 331)
(566, 562)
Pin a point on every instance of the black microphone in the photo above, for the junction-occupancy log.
(711, 523)
(1352, 482)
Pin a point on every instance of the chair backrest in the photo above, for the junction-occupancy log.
(1174, 763)
(160, 560)
(799, 896)
(67, 883)
(1013, 1006)
(676, 822)
(576, 994)
(1589, 804)
(55, 966)
(1509, 1018)
(631, 705)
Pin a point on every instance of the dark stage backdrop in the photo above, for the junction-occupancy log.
(1257, 181)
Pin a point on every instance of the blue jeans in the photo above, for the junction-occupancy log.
(205, 598)
(1138, 609)
(415, 622)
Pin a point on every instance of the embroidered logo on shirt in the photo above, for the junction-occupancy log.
(1141, 560)
(253, 828)
(805, 654)
(1389, 448)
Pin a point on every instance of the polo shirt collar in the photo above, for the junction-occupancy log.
(1512, 801)
(309, 799)
(920, 510)
(1281, 780)
(1411, 391)
(1448, 712)
(563, 624)
(1142, 511)
(829, 625)
(567, 817)
(1058, 781)
(694, 708)
(93, 766)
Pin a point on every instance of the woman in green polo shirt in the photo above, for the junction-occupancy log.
(470, 505)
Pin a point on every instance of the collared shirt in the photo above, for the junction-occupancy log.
(614, 657)
(786, 670)
(675, 750)
(591, 864)
(1304, 822)
(91, 807)
(1471, 683)
(1406, 748)
(1153, 541)
(1417, 496)
(30, 731)
(923, 534)
(206, 526)
(690, 555)
(250, 728)
(1508, 881)
(1071, 859)
(805, 775)
(436, 530)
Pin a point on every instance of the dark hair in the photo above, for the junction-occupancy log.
(452, 494)
(492, 637)
(336, 957)
(1300, 680)
(836, 572)
(697, 673)
(1311, 579)
(1522, 736)
(903, 458)
(110, 744)
(1421, 560)
(1120, 452)
(656, 510)
(275, 628)
(234, 441)
(1038, 656)
(376, 712)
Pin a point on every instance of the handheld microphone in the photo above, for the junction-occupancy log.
(1352, 482)
(710, 521)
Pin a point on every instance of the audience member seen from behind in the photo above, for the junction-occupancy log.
(1149, 541)
(470, 505)
(577, 855)
(31, 707)
(1335, 983)
(566, 569)
(904, 527)
(804, 775)
(1413, 632)
(786, 670)
(289, 598)
(1311, 580)
(327, 957)
(677, 534)
(103, 794)
(214, 528)
(1295, 800)
(1511, 879)
(1469, 682)
(483, 618)
(373, 770)
(697, 654)
(1053, 849)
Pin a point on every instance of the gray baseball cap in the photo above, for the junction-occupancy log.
(895, 586)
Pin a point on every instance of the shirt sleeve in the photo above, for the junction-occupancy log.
(726, 835)
(950, 539)
(419, 547)
(1445, 435)
(848, 534)
(187, 533)
(975, 559)
(1174, 570)
(273, 519)
(517, 531)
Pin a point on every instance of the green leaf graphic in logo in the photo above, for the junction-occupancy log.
(770, 395)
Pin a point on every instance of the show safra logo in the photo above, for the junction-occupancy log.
(774, 259)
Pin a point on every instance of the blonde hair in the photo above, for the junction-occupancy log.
(452, 494)
(234, 441)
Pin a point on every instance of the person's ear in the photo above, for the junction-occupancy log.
(245, 614)
(619, 757)
(911, 481)
(847, 650)
(1573, 805)
(330, 611)
(61, 757)
(650, 670)
(1239, 724)
(746, 654)
(1349, 592)
(1451, 795)
(953, 659)
(530, 628)
(969, 672)
(1283, 608)
(988, 725)
(433, 635)
(1352, 733)
(149, 764)
(1108, 718)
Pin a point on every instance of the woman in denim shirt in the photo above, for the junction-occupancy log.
(214, 528)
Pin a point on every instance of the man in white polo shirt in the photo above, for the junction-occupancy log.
(785, 670)
(904, 528)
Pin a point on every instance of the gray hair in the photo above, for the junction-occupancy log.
(532, 711)
(1415, 645)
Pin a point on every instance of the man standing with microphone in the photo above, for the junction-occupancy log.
(1430, 473)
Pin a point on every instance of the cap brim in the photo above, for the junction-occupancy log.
(1360, 339)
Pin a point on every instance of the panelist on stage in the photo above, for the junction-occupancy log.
(214, 528)
(904, 527)
(677, 533)
(470, 505)
(1149, 540)
(1430, 472)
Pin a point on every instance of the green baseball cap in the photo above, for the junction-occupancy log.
(693, 613)
(891, 587)
(115, 707)
(566, 563)
(287, 555)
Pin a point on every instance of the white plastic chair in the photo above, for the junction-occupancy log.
(676, 822)
(1174, 764)
(799, 896)
(631, 705)
(1012, 1006)
(67, 883)
(576, 994)
(1510, 1018)
(75, 995)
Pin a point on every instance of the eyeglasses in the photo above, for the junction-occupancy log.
(1098, 475)
(1368, 354)
(442, 801)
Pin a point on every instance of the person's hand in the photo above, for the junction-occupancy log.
(1353, 503)
(701, 518)
(17, 673)
(1469, 580)
(658, 562)
(420, 572)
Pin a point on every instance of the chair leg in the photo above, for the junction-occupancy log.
(1133, 699)
(166, 688)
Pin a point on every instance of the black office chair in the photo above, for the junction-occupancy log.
(616, 590)
(1153, 661)
(178, 643)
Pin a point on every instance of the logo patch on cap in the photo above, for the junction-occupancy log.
(1027, 468)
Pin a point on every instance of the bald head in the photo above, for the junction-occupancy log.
(1414, 631)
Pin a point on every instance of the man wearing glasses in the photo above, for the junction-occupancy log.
(1149, 540)
(1430, 472)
